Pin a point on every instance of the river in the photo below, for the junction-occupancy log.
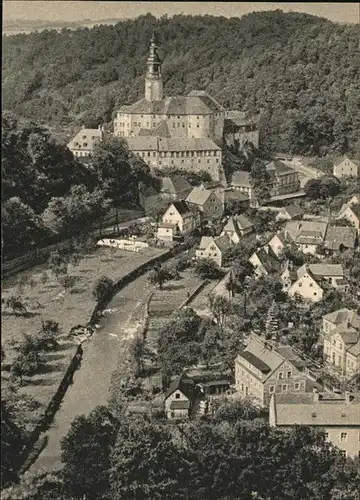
(92, 381)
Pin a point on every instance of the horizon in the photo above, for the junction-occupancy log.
(76, 11)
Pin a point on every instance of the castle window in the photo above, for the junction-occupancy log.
(178, 125)
(154, 154)
(183, 124)
(217, 161)
(159, 162)
(208, 161)
(343, 436)
(173, 125)
(178, 117)
(199, 161)
(197, 117)
(197, 126)
(149, 153)
(189, 125)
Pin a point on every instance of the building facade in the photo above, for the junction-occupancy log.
(341, 337)
(265, 368)
(346, 168)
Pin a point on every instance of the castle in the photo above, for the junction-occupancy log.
(186, 132)
(180, 132)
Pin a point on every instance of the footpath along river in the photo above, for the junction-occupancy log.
(92, 381)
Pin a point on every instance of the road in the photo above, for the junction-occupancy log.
(305, 173)
(101, 355)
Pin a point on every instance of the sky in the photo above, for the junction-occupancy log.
(97, 10)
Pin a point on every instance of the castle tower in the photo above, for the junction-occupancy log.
(153, 79)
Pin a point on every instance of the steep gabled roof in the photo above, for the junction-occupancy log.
(338, 162)
(86, 139)
(293, 210)
(182, 207)
(320, 270)
(184, 384)
(238, 223)
(205, 242)
(223, 243)
(337, 236)
(343, 316)
(199, 195)
(174, 184)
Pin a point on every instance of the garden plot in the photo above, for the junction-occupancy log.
(45, 299)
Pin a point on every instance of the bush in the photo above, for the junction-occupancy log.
(208, 269)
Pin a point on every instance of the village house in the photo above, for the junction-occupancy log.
(240, 181)
(237, 227)
(308, 236)
(312, 281)
(207, 202)
(234, 198)
(264, 368)
(83, 144)
(351, 213)
(277, 243)
(338, 415)
(339, 238)
(264, 261)
(341, 338)
(175, 187)
(291, 212)
(179, 398)
(346, 168)
(179, 218)
(283, 179)
(213, 248)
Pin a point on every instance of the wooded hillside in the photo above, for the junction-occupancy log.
(300, 71)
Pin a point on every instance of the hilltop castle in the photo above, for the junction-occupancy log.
(186, 132)
(181, 131)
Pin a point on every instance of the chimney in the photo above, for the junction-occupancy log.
(316, 395)
(347, 397)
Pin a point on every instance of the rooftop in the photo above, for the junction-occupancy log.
(174, 184)
(86, 139)
(241, 178)
(342, 316)
(337, 236)
(196, 103)
(198, 195)
(301, 409)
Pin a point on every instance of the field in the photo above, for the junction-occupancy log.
(46, 299)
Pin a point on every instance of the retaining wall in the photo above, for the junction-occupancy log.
(36, 442)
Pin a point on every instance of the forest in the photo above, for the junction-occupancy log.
(48, 195)
(298, 73)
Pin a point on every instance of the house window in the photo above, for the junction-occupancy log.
(343, 453)
(326, 435)
(271, 388)
(343, 437)
(284, 387)
(177, 395)
(288, 374)
(297, 386)
(315, 293)
(300, 285)
(281, 375)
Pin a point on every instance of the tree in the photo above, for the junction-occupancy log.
(272, 322)
(21, 227)
(12, 440)
(57, 263)
(28, 364)
(260, 181)
(136, 350)
(75, 213)
(208, 269)
(103, 289)
(323, 188)
(232, 410)
(85, 453)
(159, 275)
(145, 463)
(220, 307)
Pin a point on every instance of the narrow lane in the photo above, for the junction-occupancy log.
(92, 381)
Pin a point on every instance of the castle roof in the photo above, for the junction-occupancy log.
(187, 144)
(196, 103)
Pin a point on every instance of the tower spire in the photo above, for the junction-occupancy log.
(153, 80)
